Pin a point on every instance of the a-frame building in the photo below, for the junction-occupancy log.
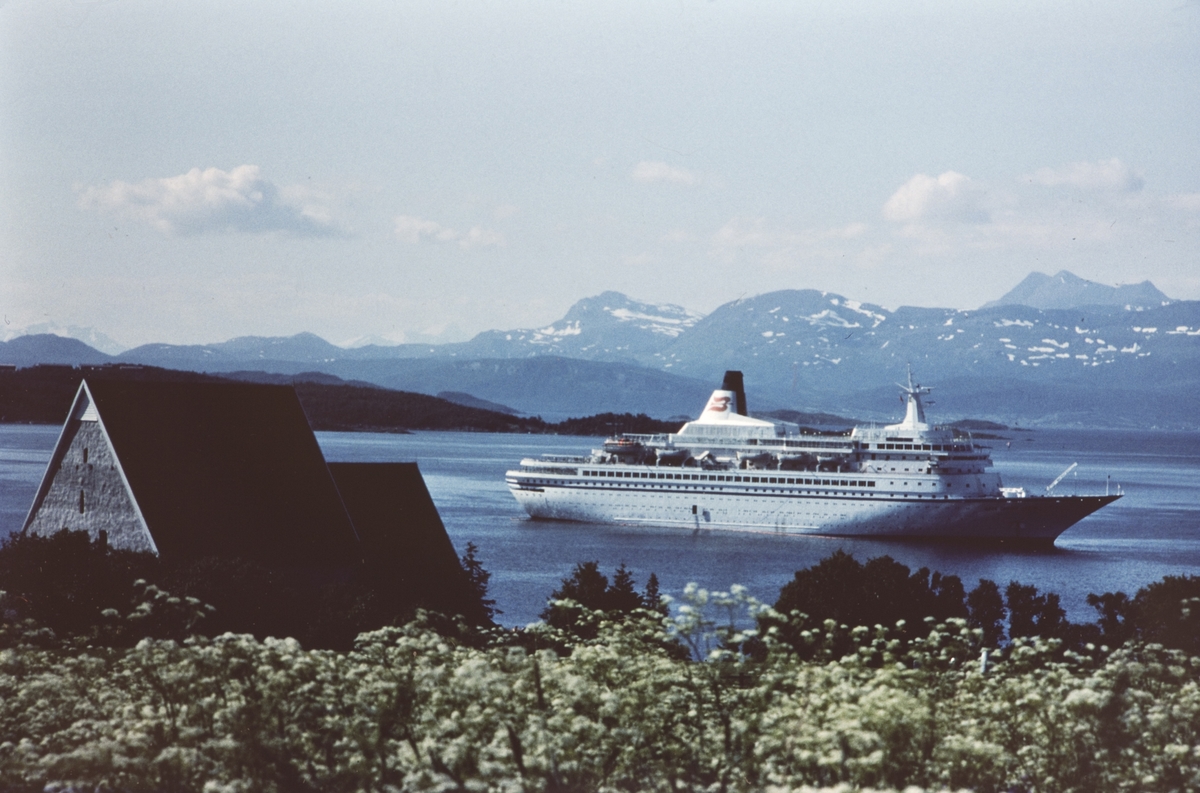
(231, 469)
(84, 488)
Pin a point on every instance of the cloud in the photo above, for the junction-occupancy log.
(952, 214)
(1104, 175)
(649, 172)
(213, 200)
(415, 230)
(948, 197)
(938, 224)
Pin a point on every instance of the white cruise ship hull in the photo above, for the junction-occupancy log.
(1033, 521)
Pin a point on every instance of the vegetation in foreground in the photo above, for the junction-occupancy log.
(617, 697)
(413, 709)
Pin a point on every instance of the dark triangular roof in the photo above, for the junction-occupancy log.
(400, 529)
(228, 469)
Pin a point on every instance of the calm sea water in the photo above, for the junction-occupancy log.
(1152, 532)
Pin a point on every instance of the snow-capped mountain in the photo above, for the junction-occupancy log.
(793, 326)
(607, 327)
(799, 349)
(817, 350)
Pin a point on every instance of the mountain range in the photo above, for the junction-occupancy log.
(1067, 290)
(1084, 354)
(89, 336)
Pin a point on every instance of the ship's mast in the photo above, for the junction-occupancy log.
(914, 415)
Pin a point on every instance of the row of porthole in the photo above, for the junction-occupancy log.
(781, 480)
(918, 496)
(844, 483)
(826, 493)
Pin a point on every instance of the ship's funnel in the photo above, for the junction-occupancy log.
(733, 382)
(727, 408)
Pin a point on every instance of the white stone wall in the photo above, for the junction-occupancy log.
(88, 470)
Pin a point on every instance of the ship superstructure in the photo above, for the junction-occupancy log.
(729, 470)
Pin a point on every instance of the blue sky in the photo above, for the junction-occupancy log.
(190, 172)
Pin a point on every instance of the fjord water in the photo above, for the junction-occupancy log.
(1152, 532)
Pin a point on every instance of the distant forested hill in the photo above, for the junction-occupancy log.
(43, 395)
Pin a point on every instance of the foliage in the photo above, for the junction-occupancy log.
(607, 424)
(1034, 614)
(477, 586)
(882, 592)
(1114, 623)
(409, 709)
(652, 600)
(1168, 612)
(987, 612)
(587, 593)
(68, 585)
(65, 583)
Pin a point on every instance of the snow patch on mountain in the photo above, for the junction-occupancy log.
(670, 321)
(857, 306)
(829, 318)
(552, 334)
(358, 342)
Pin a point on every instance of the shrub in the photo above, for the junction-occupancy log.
(407, 708)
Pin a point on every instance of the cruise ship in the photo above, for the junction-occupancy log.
(729, 470)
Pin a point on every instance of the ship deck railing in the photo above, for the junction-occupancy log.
(793, 442)
(656, 439)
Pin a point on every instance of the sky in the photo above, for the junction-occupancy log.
(192, 172)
